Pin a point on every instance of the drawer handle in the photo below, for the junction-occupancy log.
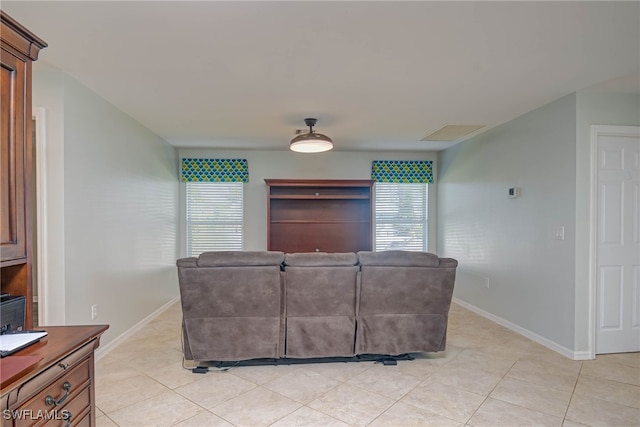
(67, 416)
(50, 400)
(63, 365)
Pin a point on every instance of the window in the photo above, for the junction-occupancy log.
(214, 203)
(214, 217)
(401, 216)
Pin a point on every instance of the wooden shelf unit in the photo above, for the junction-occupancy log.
(18, 49)
(319, 215)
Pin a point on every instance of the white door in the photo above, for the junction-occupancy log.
(618, 241)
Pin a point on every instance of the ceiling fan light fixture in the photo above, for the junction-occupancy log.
(311, 142)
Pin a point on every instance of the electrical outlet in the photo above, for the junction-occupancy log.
(94, 311)
(558, 233)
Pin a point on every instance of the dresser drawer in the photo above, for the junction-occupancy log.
(61, 383)
(84, 422)
(62, 367)
(74, 413)
(69, 391)
(79, 406)
(77, 410)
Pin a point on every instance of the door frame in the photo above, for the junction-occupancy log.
(42, 266)
(596, 132)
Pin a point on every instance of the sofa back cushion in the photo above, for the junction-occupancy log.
(399, 258)
(406, 290)
(404, 302)
(230, 291)
(232, 304)
(239, 258)
(321, 291)
(405, 282)
(321, 295)
(320, 259)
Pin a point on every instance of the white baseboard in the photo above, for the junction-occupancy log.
(104, 350)
(575, 355)
(582, 355)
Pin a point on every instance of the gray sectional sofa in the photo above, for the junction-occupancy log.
(270, 305)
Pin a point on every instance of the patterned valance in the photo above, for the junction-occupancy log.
(402, 171)
(215, 170)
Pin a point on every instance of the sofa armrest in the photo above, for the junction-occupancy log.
(448, 263)
(191, 262)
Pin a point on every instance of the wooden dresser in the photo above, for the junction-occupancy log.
(59, 388)
(319, 215)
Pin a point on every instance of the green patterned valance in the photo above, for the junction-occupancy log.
(215, 170)
(402, 171)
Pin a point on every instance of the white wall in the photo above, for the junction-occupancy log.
(113, 212)
(509, 265)
(593, 108)
(290, 165)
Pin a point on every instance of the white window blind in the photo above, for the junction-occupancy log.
(401, 216)
(214, 217)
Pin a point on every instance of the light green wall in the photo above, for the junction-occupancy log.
(116, 208)
(510, 266)
(48, 95)
(536, 284)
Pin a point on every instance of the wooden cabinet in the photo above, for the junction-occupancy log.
(58, 389)
(18, 49)
(319, 215)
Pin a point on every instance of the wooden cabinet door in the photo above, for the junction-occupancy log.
(12, 157)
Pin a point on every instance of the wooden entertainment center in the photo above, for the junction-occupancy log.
(319, 215)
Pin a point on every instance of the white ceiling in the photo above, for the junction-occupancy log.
(376, 75)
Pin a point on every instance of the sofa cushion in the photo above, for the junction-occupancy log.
(320, 336)
(232, 338)
(321, 291)
(320, 259)
(399, 258)
(401, 333)
(236, 258)
(231, 291)
(405, 290)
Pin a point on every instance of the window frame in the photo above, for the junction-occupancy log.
(237, 221)
(379, 245)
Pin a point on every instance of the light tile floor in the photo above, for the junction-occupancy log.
(488, 376)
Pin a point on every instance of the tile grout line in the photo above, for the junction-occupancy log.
(421, 382)
(491, 391)
(140, 373)
(605, 400)
(575, 385)
(582, 373)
